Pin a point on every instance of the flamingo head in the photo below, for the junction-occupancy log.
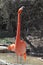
(21, 9)
(11, 47)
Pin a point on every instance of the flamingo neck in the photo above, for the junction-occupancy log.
(18, 29)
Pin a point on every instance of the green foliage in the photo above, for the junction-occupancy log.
(31, 18)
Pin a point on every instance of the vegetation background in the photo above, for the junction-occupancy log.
(31, 19)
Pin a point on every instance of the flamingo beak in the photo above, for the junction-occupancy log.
(9, 48)
(21, 9)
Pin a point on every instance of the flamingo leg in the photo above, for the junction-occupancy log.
(24, 56)
(20, 59)
(17, 58)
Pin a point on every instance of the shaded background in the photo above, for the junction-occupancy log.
(31, 20)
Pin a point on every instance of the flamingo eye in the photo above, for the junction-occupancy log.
(20, 11)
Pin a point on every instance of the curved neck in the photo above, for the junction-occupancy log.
(18, 29)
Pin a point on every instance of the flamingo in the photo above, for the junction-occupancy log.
(19, 47)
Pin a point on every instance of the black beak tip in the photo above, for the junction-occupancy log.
(23, 7)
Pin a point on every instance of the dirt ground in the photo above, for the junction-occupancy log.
(12, 58)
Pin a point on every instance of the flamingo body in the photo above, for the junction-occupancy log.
(20, 49)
